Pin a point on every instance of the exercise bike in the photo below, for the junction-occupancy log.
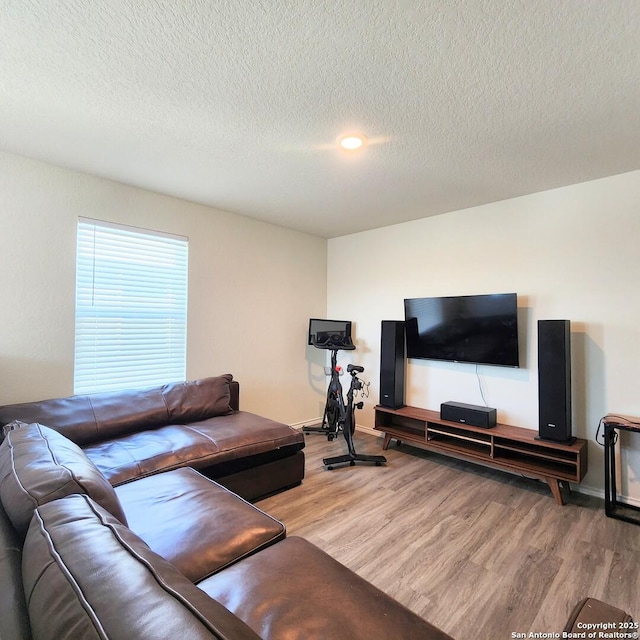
(334, 408)
(349, 423)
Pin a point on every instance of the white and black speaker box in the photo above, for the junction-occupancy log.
(554, 380)
(392, 364)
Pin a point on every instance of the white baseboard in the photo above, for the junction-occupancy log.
(304, 423)
(369, 430)
(316, 422)
(632, 502)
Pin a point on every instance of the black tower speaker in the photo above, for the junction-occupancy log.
(554, 380)
(392, 364)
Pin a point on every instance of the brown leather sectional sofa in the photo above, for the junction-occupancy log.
(167, 552)
(170, 554)
(132, 434)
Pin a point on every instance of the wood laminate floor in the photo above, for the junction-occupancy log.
(480, 553)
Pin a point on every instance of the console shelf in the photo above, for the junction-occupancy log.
(504, 446)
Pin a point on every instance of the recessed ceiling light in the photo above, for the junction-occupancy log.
(352, 142)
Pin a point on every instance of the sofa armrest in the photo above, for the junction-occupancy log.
(590, 612)
(38, 465)
(234, 388)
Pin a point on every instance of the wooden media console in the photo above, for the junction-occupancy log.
(506, 447)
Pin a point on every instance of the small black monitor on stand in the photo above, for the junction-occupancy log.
(324, 332)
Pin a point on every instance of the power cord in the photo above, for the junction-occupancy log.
(480, 385)
(363, 392)
(600, 434)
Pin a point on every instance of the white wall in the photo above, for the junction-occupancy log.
(252, 287)
(568, 253)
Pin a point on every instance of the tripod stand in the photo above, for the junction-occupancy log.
(334, 409)
(350, 425)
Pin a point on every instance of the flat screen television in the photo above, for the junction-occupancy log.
(481, 329)
(320, 330)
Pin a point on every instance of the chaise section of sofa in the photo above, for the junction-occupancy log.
(195, 523)
(88, 576)
(136, 433)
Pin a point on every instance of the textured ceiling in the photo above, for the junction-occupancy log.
(237, 104)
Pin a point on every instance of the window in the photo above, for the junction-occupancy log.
(131, 307)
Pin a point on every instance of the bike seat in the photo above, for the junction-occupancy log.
(354, 367)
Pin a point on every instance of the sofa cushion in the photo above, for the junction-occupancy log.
(198, 444)
(93, 417)
(142, 454)
(122, 412)
(87, 418)
(243, 434)
(38, 464)
(333, 603)
(198, 399)
(72, 416)
(118, 413)
(88, 576)
(194, 523)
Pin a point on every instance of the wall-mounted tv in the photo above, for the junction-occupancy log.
(481, 329)
(321, 329)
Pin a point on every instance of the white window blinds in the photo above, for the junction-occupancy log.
(131, 308)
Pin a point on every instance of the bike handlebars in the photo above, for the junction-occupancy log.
(334, 342)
